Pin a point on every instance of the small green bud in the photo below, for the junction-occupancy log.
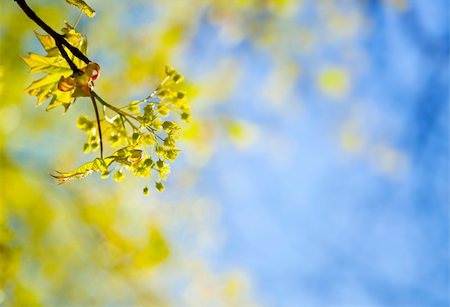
(157, 124)
(159, 186)
(84, 123)
(185, 116)
(86, 148)
(167, 125)
(148, 162)
(118, 176)
(145, 190)
(113, 138)
(148, 109)
(162, 93)
(172, 154)
(135, 137)
(169, 70)
(122, 152)
(163, 110)
(169, 142)
(177, 78)
(159, 163)
(160, 151)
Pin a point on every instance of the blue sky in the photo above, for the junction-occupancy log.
(315, 225)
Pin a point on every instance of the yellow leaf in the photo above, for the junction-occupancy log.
(97, 165)
(43, 88)
(60, 98)
(48, 43)
(40, 63)
(90, 12)
(55, 66)
(75, 39)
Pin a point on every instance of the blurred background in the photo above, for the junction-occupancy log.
(314, 172)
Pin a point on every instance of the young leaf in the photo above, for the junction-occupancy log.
(56, 67)
(89, 11)
(48, 43)
(48, 64)
(98, 165)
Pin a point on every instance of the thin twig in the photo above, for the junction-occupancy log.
(68, 60)
(59, 39)
(98, 124)
(117, 110)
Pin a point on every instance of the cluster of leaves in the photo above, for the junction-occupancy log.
(144, 132)
(56, 68)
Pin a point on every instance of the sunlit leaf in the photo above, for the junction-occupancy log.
(48, 43)
(90, 12)
(51, 65)
(97, 165)
(43, 88)
(56, 67)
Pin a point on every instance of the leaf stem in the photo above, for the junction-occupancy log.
(78, 19)
(124, 128)
(98, 124)
(117, 110)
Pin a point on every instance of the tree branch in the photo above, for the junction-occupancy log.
(64, 54)
(60, 41)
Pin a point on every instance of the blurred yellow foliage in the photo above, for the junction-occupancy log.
(334, 81)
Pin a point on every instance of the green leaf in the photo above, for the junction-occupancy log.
(51, 65)
(82, 171)
(64, 99)
(75, 39)
(43, 88)
(90, 12)
(97, 165)
(48, 43)
(54, 66)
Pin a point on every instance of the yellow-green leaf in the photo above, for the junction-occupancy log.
(90, 12)
(48, 43)
(43, 88)
(53, 65)
(82, 171)
(97, 165)
(60, 98)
